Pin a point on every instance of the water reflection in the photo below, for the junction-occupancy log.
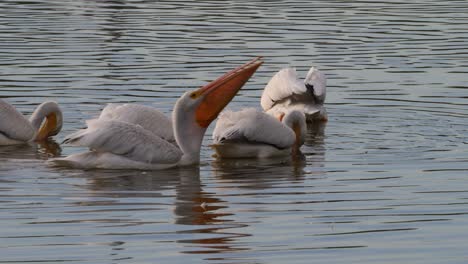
(314, 146)
(258, 174)
(316, 133)
(126, 183)
(192, 207)
(34, 150)
(207, 213)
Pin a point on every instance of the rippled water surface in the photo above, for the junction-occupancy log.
(385, 181)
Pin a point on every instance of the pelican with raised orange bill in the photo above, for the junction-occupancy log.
(15, 128)
(137, 137)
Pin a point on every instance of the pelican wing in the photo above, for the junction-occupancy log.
(125, 139)
(145, 116)
(284, 84)
(311, 110)
(252, 126)
(316, 83)
(13, 124)
(286, 89)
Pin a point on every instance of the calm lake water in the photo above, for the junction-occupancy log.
(385, 181)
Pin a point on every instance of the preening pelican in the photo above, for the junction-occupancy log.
(285, 92)
(250, 133)
(119, 140)
(15, 128)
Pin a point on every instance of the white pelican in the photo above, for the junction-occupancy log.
(285, 92)
(253, 134)
(126, 141)
(46, 121)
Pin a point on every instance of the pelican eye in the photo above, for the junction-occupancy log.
(193, 95)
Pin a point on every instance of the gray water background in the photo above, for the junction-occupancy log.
(385, 181)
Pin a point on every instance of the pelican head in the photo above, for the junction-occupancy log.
(297, 122)
(47, 120)
(195, 110)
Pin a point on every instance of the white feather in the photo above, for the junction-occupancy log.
(283, 85)
(105, 160)
(128, 140)
(13, 125)
(312, 112)
(253, 126)
(319, 81)
(148, 117)
(285, 92)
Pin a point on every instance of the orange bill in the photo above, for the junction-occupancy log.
(297, 143)
(280, 116)
(220, 92)
(47, 128)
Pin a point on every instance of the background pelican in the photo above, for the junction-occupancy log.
(250, 133)
(15, 128)
(285, 92)
(121, 141)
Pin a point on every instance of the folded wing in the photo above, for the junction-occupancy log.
(283, 85)
(253, 126)
(129, 140)
(148, 117)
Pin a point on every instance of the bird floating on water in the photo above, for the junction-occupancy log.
(15, 128)
(250, 133)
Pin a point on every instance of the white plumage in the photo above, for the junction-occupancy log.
(253, 134)
(122, 138)
(285, 92)
(116, 144)
(15, 128)
(254, 126)
(148, 117)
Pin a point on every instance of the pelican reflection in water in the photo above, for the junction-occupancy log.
(203, 220)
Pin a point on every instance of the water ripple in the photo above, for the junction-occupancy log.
(383, 182)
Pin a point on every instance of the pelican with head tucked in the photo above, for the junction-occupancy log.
(46, 121)
(122, 140)
(285, 92)
(253, 134)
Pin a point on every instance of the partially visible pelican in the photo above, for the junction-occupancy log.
(15, 128)
(285, 92)
(250, 133)
(122, 138)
